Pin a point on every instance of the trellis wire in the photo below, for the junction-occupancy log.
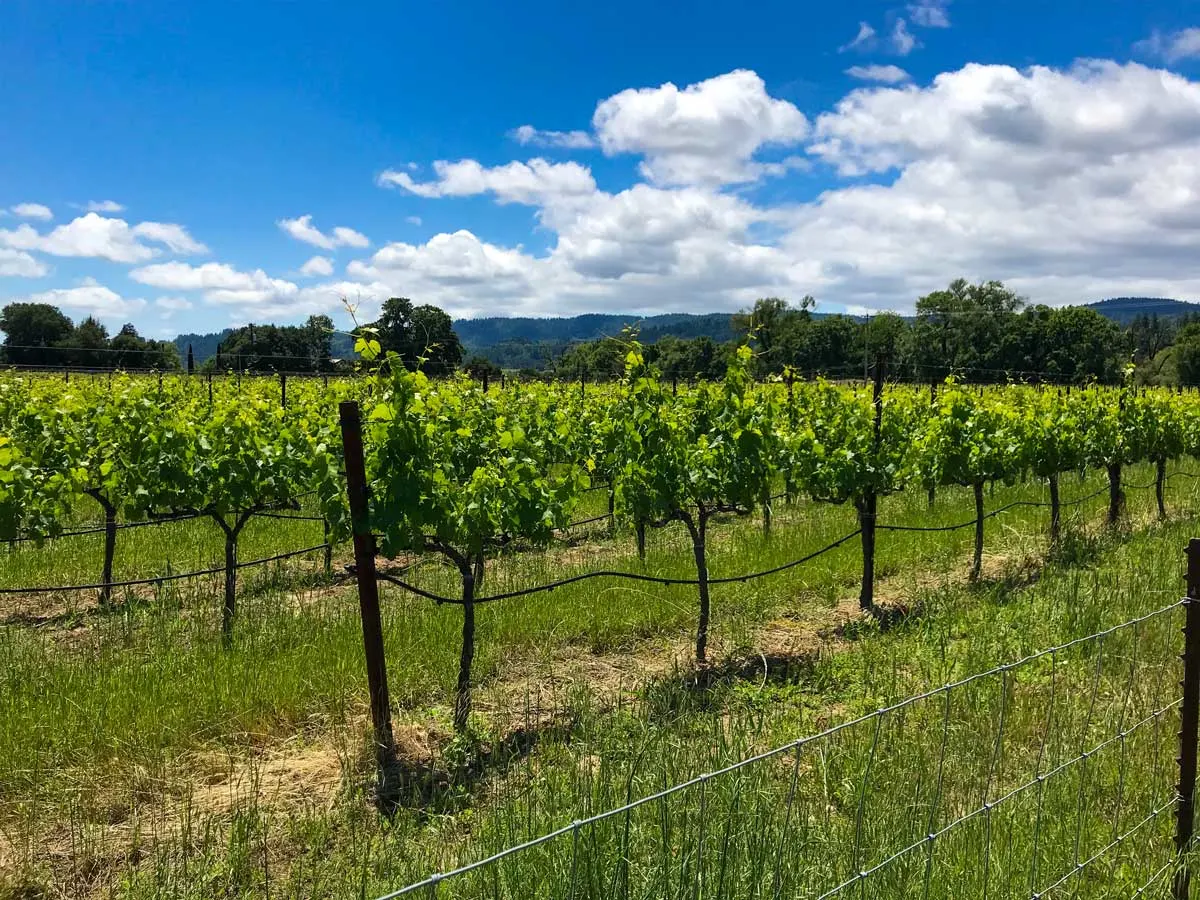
(160, 579)
(100, 527)
(731, 579)
(631, 576)
(431, 882)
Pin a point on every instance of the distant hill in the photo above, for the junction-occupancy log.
(204, 346)
(479, 333)
(525, 341)
(1124, 310)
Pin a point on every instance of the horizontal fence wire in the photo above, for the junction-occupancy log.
(1154, 878)
(630, 576)
(160, 579)
(731, 579)
(998, 511)
(990, 805)
(100, 527)
(984, 809)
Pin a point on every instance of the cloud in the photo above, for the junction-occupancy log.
(881, 74)
(1070, 184)
(105, 206)
(18, 264)
(457, 259)
(929, 13)
(413, 220)
(302, 229)
(93, 235)
(318, 265)
(901, 39)
(527, 135)
(173, 304)
(220, 283)
(1067, 183)
(866, 39)
(1171, 47)
(531, 183)
(91, 298)
(706, 133)
(32, 211)
(175, 237)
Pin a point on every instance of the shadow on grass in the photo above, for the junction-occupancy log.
(447, 777)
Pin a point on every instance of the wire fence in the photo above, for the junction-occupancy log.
(441, 599)
(522, 592)
(164, 579)
(1048, 776)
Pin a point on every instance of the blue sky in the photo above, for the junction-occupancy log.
(692, 160)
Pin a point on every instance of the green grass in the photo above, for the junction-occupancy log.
(102, 713)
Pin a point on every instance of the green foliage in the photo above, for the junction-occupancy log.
(971, 440)
(29, 328)
(452, 468)
(684, 457)
(421, 336)
(283, 348)
(833, 453)
(37, 334)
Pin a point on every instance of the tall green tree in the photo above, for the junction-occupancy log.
(87, 344)
(421, 336)
(962, 328)
(31, 331)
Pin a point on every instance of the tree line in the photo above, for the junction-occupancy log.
(38, 334)
(982, 332)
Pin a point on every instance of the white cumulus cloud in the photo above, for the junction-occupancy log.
(302, 229)
(90, 298)
(880, 74)
(527, 135)
(706, 133)
(19, 264)
(93, 235)
(535, 182)
(1071, 184)
(175, 237)
(105, 206)
(221, 283)
(318, 265)
(929, 13)
(1171, 47)
(32, 211)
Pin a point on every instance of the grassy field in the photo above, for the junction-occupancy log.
(140, 759)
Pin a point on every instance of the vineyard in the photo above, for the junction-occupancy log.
(589, 594)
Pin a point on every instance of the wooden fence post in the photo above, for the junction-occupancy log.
(932, 402)
(868, 504)
(368, 591)
(1189, 720)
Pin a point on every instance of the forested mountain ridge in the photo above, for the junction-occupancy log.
(1124, 310)
(525, 341)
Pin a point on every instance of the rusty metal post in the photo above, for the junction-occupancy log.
(368, 589)
(1189, 719)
